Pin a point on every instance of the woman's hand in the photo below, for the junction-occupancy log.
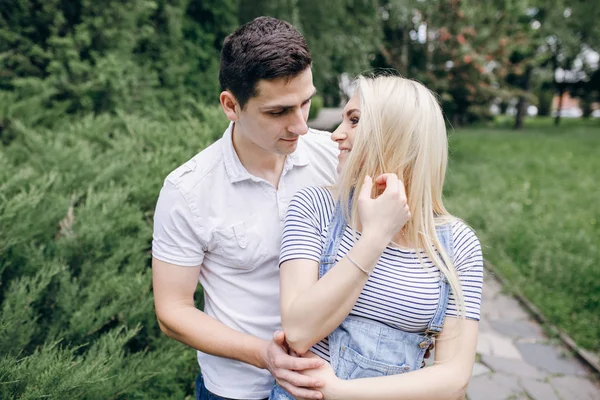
(286, 367)
(326, 375)
(387, 214)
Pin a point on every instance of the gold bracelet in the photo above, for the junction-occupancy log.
(357, 265)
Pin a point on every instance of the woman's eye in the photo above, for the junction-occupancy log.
(354, 120)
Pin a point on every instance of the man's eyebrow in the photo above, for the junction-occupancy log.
(287, 107)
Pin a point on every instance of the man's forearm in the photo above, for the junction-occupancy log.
(194, 328)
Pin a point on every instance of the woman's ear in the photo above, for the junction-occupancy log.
(229, 105)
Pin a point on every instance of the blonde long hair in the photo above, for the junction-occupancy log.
(402, 131)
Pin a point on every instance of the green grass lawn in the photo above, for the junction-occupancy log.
(533, 197)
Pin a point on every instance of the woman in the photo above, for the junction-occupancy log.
(373, 270)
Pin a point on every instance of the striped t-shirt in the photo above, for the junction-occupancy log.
(402, 291)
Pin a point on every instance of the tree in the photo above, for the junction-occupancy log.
(104, 56)
(570, 27)
(342, 35)
(458, 48)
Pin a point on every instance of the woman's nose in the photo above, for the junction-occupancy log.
(338, 134)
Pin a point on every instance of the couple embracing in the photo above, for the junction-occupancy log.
(329, 264)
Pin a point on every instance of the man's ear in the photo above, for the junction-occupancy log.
(229, 105)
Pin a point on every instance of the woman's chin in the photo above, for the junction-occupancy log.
(341, 161)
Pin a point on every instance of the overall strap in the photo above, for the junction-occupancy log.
(336, 227)
(444, 235)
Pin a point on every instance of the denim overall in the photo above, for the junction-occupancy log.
(363, 348)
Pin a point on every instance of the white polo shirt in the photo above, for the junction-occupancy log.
(212, 212)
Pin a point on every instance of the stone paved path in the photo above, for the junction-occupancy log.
(516, 361)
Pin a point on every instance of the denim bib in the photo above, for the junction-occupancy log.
(363, 348)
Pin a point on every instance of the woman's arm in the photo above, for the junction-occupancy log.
(447, 379)
(312, 308)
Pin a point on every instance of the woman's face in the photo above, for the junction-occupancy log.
(344, 134)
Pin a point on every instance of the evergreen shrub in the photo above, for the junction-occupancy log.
(76, 205)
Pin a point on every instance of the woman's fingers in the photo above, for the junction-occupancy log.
(388, 212)
(367, 187)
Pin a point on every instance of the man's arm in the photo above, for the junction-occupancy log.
(178, 318)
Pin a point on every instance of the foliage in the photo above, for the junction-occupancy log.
(566, 32)
(316, 105)
(100, 100)
(458, 48)
(104, 56)
(147, 54)
(342, 36)
(76, 206)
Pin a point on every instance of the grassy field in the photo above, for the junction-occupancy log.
(534, 199)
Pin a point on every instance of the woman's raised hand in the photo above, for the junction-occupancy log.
(385, 215)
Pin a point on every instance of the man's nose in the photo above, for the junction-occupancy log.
(298, 123)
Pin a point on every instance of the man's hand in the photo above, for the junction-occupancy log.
(285, 367)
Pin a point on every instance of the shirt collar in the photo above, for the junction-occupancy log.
(237, 172)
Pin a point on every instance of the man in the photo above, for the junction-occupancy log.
(219, 217)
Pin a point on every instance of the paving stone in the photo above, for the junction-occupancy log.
(491, 286)
(493, 344)
(518, 329)
(484, 346)
(538, 390)
(480, 369)
(510, 309)
(488, 310)
(503, 307)
(494, 387)
(510, 366)
(572, 387)
(484, 325)
(550, 359)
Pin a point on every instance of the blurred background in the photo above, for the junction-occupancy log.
(100, 100)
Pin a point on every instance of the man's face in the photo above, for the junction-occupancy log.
(273, 120)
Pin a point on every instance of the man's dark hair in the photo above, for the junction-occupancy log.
(265, 48)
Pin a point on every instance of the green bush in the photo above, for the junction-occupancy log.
(103, 56)
(315, 107)
(76, 204)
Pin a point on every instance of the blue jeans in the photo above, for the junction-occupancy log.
(202, 392)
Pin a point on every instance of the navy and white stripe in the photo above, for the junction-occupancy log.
(402, 290)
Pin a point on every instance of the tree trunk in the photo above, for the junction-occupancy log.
(558, 86)
(523, 103)
(585, 102)
(561, 92)
(404, 50)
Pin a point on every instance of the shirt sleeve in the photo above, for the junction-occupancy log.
(468, 261)
(301, 237)
(177, 232)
